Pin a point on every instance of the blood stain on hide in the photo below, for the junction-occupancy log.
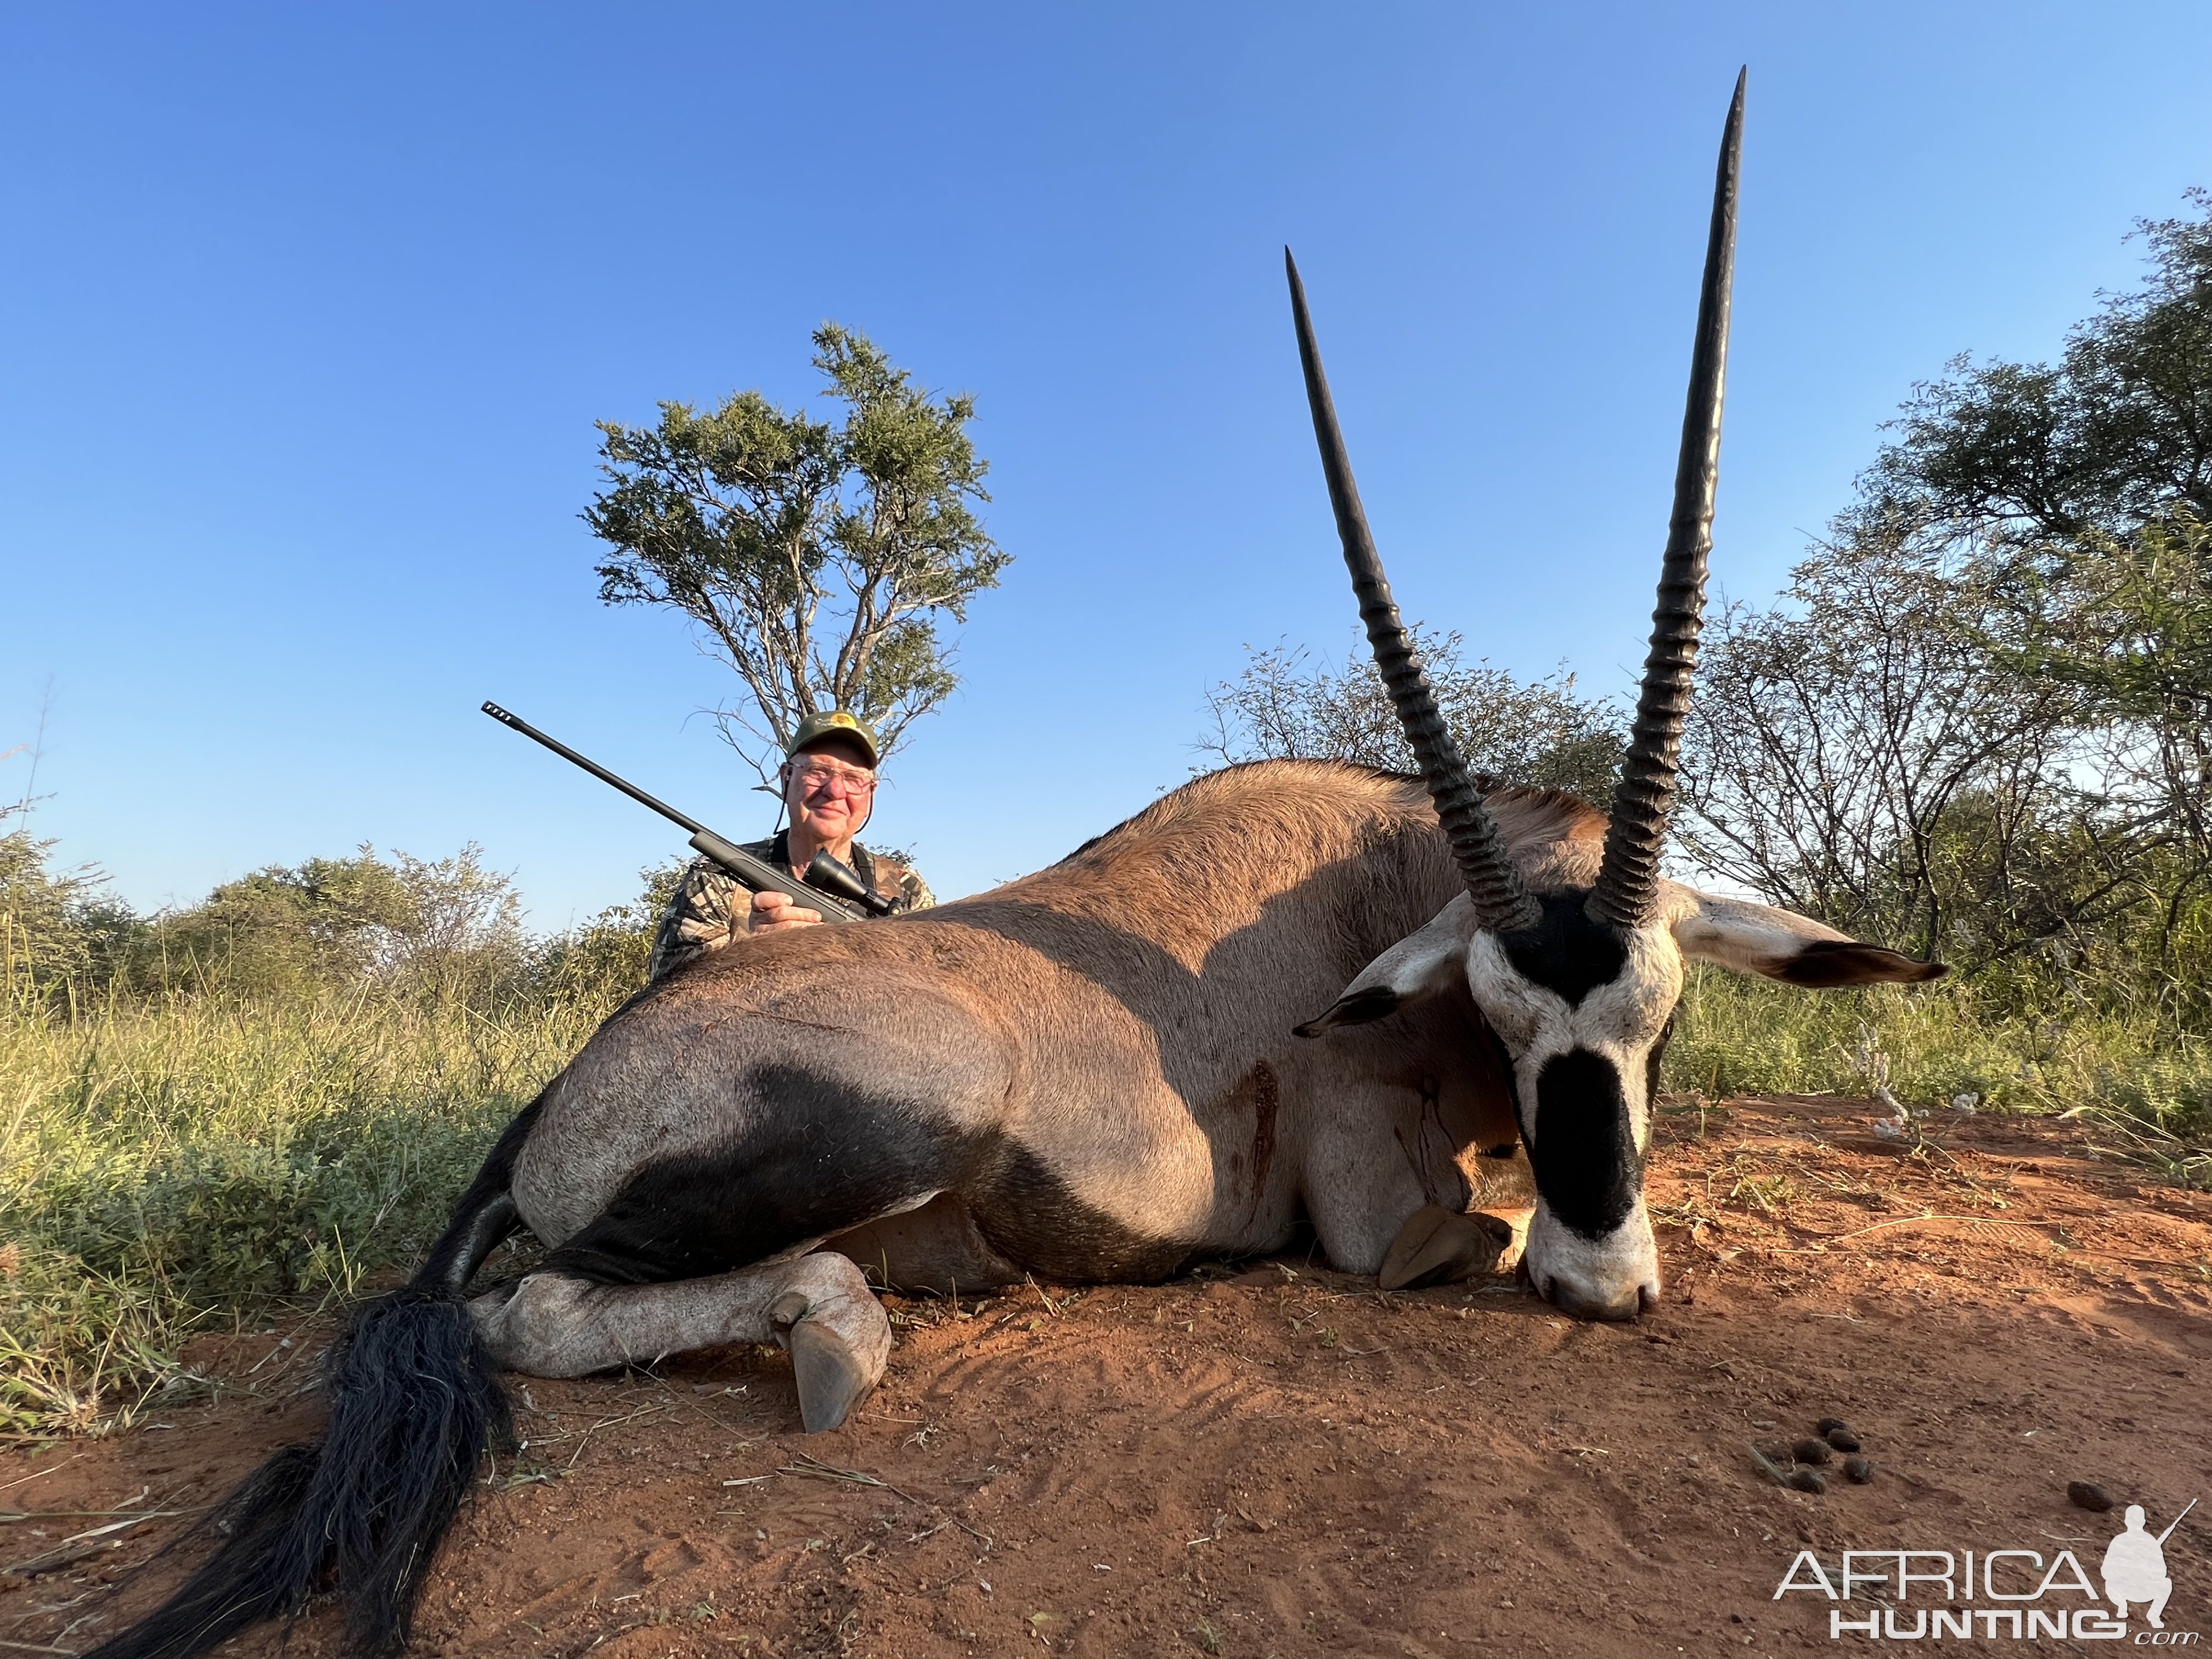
(1267, 1097)
(1259, 1089)
(1431, 1153)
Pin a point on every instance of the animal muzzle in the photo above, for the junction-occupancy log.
(1614, 1276)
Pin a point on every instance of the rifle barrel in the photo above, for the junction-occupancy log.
(2177, 1520)
(755, 873)
(592, 766)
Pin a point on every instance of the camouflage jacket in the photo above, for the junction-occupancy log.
(710, 906)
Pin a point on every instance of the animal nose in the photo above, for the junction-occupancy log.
(1569, 1298)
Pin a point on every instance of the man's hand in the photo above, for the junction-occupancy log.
(773, 912)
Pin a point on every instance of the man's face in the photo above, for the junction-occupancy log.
(828, 788)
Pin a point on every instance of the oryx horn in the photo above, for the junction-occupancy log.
(1628, 881)
(1492, 883)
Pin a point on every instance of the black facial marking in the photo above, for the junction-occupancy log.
(1585, 1158)
(1566, 952)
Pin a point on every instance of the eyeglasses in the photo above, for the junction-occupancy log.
(828, 775)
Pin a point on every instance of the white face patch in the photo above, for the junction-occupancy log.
(1618, 1021)
(1602, 1040)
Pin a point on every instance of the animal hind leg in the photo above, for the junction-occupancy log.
(819, 1307)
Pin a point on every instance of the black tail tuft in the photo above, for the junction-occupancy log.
(264, 1566)
(415, 1402)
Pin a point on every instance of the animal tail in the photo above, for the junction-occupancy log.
(416, 1402)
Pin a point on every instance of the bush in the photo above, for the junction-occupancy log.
(57, 929)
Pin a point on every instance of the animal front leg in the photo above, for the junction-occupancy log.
(1437, 1246)
(819, 1307)
(938, 1248)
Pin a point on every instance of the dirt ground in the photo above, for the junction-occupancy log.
(1275, 1459)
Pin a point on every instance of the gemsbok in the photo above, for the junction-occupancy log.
(1097, 1072)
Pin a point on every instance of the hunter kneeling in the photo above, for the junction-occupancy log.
(829, 789)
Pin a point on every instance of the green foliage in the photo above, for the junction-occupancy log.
(2127, 621)
(263, 1097)
(447, 927)
(2144, 1092)
(429, 931)
(814, 558)
(1977, 724)
(2125, 624)
(57, 927)
(2118, 434)
(1542, 733)
(606, 959)
(170, 1163)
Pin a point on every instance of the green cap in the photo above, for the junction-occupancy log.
(836, 724)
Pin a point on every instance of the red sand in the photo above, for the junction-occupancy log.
(1281, 1461)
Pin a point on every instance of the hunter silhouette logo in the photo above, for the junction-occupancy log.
(2134, 1567)
(1992, 1594)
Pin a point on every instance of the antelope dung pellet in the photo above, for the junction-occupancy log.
(1842, 1440)
(1810, 1451)
(1808, 1480)
(2082, 1495)
(1830, 1424)
(1859, 1469)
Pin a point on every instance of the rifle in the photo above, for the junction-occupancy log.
(829, 886)
(2168, 1533)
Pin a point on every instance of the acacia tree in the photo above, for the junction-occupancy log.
(814, 557)
(2117, 434)
(2126, 621)
(1841, 743)
(1978, 720)
(2089, 485)
(1284, 705)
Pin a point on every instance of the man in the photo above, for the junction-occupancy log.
(828, 788)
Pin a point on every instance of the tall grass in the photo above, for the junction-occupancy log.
(2144, 1088)
(172, 1166)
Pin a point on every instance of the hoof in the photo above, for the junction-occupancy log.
(1437, 1247)
(832, 1378)
(838, 1334)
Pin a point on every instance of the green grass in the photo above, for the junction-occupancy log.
(2144, 1091)
(176, 1167)
(184, 1165)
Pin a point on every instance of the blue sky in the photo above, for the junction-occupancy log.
(311, 310)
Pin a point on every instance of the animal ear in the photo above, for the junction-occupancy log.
(1416, 967)
(1781, 944)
